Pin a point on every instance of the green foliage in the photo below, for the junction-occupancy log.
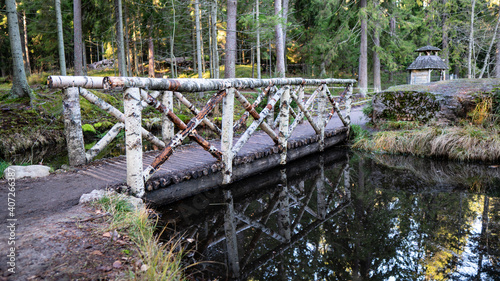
(162, 259)
(3, 166)
(88, 129)
(357, 133)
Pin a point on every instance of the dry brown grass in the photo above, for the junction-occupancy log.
(469, 143)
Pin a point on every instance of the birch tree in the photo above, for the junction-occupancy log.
(77, 29)
(60, 38)
(230, 63)
(376, 42)
(471, 42)
(122, 65)
(198, 37)
(20, 87)
(280, 50)
(363, 51)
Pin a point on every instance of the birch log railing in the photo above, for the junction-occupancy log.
(140, 92)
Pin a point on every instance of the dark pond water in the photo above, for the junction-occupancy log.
(347, 216)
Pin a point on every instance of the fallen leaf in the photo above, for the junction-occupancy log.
(190, 240)
(117, 264)
(144, 267)
(121, 242)
(98, 253)
(106, 234)
(494, 166)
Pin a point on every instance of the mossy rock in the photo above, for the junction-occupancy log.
(405, 106)
(103, 126)
(88, 130)
(444, 101)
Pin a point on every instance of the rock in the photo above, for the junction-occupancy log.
(32, 171)
(95, 195)
(444, 101)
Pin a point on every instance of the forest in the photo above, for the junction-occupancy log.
(372, 41)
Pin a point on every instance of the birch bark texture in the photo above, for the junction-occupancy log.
(363, 51)
(122, 65)
(470, 73)
(198, 37)
(60, 38)
(280, 50)
(77, 34)
(230, 62)
(20, 87)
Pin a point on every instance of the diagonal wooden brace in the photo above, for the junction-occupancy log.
(195, 111)
(111, 110)
(257, 101)
(263, 114)
(180, 136)
(336, 107)
(251, 110)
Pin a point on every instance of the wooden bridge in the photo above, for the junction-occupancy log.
(300, 125)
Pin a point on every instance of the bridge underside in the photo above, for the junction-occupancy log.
(194, 170)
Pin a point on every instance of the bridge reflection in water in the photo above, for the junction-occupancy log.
(339, 216)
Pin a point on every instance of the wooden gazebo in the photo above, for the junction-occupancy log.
(427, 61)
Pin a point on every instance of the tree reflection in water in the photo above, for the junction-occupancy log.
(347, 216)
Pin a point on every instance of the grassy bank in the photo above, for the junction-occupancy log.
(160, 261)
(468, 143)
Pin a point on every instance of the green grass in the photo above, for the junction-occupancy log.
(469, 143)
(162, 260)
(3, 166)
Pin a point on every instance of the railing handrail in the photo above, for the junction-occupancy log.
(182, 84)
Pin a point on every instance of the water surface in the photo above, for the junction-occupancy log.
(347, 216)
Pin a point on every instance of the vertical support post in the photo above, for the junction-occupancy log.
(347, 183)
(73, 126)
(320, 190)
(301, 99)
(270, 117)
(348, 102)
(283, 126)
(230, 231)
(284, 224)
(227, 135)
(321, 117)
(133, 140)
(167, 129)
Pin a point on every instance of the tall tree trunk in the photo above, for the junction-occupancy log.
(214, 46)
(122, 65)
(259, 76)
(20, 87)
(198, 37)
(215, 50)
(26, 49)
(84, 57)
(136, 49)
(487, 58)
(497, 61)
(363, 51)
(377, 85)
(445, 52)
(77, 28)
(471, 41)
(128, 54)
(285, 22)
(230, 63)
(280, 55)
(392, 33)
(151, 53)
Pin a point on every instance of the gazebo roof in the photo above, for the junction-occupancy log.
(428, 62)
(427, 48)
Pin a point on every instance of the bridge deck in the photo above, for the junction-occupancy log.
(36, 197)
(192, 162)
